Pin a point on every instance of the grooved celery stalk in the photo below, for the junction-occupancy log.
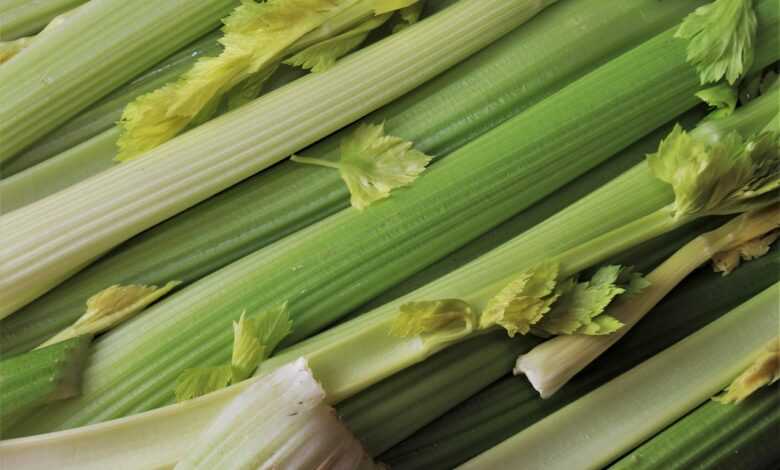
(97, 214)
(511, 404)
(715, 436)
(325, 270)
(106, 43)
(80, 162)
(438, 117)
(38, 377)
(105, 113)
(23, 17)
(168, 431)
(632, 407)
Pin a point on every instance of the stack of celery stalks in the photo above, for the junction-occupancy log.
(422, 234)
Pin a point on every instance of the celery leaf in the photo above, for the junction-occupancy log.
(524, 301)
(256, 35)
(254, 339)
(721, 97)
(372, 164)
(199, 381)
(580, 303)
(727, 261)
(323, 55)
(409, 16)
(433, 316)
(764, 371)
(726, 177)
(721, 38)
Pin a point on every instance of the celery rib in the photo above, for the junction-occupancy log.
(439, 117)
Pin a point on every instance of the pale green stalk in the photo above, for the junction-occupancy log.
(614, 418)
(97, 214)
(105, 44)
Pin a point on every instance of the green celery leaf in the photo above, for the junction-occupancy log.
(373, 164)
(432, 316)
(722, 178)
(524, 301)
(721, 38)
(199, 381)
(323, 55)
(721, 97)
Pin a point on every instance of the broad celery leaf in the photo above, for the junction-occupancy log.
(256, 35)
(524, 301)
(372, 164)
(722, 38)
(722, 178)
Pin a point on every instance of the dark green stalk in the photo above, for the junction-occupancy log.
(39, 377)
(439, 117)
(510, 405)
(715, 436)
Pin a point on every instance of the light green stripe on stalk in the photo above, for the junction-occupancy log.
(98, 214)
(438, 117)
(614, 418)
(105, 113)
(329, 268)
(106, 43)
(25, 17)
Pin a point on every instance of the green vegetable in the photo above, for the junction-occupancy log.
(41, 376)
(511, 404)
(61, 74)
(303, 274)
(632, 407)
(741, 436)
(125, 200)
(439, 117)
(764, 371)
(722, 39)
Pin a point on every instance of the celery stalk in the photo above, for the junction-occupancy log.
(511, 404)
(104, 45)
(600, 426)
(439, 117)
(102, 115)
(41, 376)
(715, 436)
(134, 196)
(22, 17)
